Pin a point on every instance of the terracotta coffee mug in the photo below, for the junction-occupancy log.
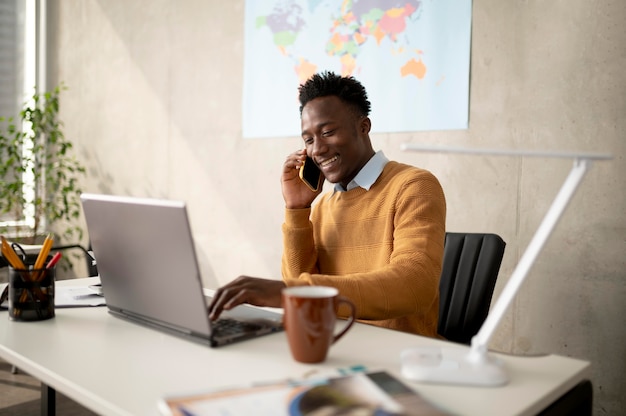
(310, 313)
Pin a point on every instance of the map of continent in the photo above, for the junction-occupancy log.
(402, 52)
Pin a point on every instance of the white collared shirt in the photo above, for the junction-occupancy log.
(367, 175)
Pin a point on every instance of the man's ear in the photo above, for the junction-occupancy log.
(365, 125)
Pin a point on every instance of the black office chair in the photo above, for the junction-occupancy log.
(92, 269)
(471, 262)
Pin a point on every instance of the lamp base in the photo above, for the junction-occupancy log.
(452, 366)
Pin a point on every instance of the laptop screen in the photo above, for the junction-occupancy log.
(146, 259)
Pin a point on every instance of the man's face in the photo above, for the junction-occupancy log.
(336, 138)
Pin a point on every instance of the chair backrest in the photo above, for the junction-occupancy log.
(471, 262)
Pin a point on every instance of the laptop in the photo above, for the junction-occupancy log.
(149, 272)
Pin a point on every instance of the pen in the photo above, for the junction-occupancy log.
(54, 260)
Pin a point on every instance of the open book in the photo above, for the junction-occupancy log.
(372, 393)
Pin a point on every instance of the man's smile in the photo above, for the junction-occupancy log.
(327, 162)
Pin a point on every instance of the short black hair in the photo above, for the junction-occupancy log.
(326, 83)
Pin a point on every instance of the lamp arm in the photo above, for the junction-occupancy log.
(481, 339)
(476, 367)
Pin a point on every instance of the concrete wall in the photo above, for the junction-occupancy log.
(154, 107)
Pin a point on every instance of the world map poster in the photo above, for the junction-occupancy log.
(412, 56)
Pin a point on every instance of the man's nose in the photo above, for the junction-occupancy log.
(317, 148)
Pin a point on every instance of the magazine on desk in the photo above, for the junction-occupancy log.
(372, 393)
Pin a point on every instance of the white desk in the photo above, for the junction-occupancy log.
(114, 367)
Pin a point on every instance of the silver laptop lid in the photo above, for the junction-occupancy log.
(146, 259)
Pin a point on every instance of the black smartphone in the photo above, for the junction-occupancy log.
(311, 175)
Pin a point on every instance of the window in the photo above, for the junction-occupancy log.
(11, 56)
(22, 61)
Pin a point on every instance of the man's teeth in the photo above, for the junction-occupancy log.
(329, 161)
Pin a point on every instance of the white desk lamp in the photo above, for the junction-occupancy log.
(449, 365)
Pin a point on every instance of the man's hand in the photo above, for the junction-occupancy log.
(246, 289)
(295, 192)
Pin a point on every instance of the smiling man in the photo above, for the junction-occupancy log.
(377, 236)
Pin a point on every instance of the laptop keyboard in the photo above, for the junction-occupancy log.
(226, 326)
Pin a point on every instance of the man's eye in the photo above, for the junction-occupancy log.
(308, 140)
(327, 133)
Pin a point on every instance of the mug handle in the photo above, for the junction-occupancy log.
(346, 301)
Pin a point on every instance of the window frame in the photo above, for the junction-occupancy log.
(30, 17)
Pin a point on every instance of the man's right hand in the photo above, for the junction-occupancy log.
(246, 289)
(295, 192)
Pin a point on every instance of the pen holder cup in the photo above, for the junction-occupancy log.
(31, 294)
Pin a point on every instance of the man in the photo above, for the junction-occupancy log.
(377, 236)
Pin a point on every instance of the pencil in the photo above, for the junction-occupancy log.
(15, 262)
(11, 256)
(43, 254)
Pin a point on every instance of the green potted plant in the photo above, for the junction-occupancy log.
(39, 175)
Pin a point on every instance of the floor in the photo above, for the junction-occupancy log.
(20, 396)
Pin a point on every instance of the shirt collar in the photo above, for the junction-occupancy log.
(368, 173)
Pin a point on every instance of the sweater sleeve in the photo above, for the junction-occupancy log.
(298, 246)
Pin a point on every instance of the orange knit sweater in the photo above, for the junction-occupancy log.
(381, 248)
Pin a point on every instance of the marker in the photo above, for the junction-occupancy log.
(54, 260)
